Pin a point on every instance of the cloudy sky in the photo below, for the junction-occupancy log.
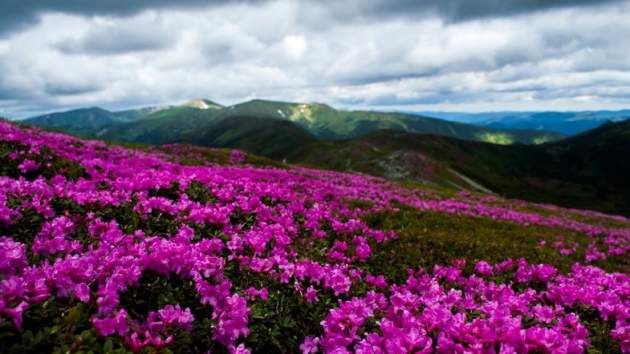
(410, 55)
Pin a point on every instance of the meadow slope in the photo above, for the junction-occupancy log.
(183, 249)
(588, 171)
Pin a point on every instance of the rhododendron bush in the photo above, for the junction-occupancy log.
(109, 249)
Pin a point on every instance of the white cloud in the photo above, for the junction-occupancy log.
(295, 46)
(562, 58)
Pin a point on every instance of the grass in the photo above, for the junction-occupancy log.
(426, 239)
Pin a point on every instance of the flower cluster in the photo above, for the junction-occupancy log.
(237, 157)
(458, 314)
(13, 256)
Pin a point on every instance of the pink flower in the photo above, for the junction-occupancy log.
(378, 282)
(593, 254)
(82, 291)
(544, 313)
(231, 320)
(27, 166)
(362, 248)
(238, 157)
(174, 316)
(483, 268)
(16, 313)
(241, 349)
(55, 237)
(253, 293)
(337, 281)
(12, 256)
(311, 295)
(310, 345)
(110, 325)
(622, 334)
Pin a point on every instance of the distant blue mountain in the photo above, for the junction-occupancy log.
(565, 123)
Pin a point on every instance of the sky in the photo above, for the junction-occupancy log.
(406, 55)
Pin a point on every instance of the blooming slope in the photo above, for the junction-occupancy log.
(104, 248)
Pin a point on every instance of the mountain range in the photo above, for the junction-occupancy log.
(170, 124)
(588, 170)
(565, 123)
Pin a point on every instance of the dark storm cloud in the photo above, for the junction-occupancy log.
(452, 10)
(8, 92)
(376, 77)
(116, 39)
(424, 98)
(71, 88)
(16, 14)
(218, 53)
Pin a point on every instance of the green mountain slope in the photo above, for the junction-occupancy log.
(165, 126)
(267, 137)
(85, 121)
(89, 122)
(132, 115)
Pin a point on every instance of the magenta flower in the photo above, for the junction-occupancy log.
(110, 325)
(310, 345)
(12, 256)
(483, 268)
(27, 166)
(238, 157)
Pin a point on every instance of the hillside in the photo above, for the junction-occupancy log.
(264, 136)
(84, 122)
(89, 122)
(165, 126)
(269, 137)
(586, 171)
(324, 122)
(388, 154)
(111, 249)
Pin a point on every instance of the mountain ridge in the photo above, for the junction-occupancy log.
(321, 120)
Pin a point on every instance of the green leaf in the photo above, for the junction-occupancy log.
(108, 347)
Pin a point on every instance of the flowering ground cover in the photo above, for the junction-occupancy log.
(112, 249)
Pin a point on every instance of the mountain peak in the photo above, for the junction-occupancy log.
(202, 104)
(87, 109)
(320, 104)
(287, 103)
